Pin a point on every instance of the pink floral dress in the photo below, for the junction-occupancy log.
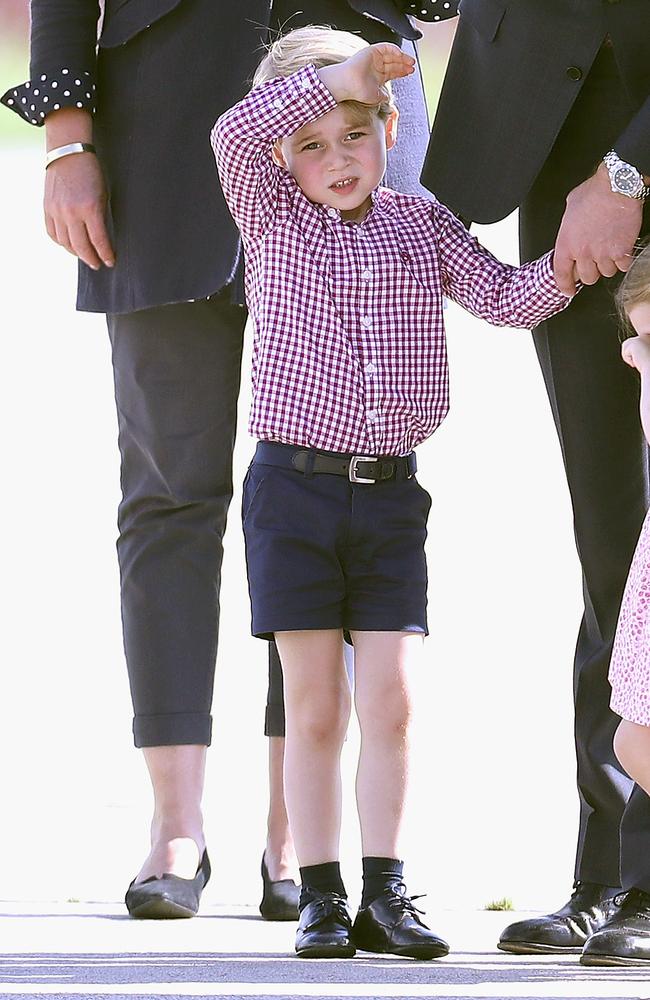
(629, 671)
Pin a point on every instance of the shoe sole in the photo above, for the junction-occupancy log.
(327, 951)
(424, 952)
(612, 960)
(530, 948)
(160, 909)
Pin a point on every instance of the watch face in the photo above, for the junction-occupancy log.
(626, 180)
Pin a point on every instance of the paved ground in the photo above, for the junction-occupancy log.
(95, 950)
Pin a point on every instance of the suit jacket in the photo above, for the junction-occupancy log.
(516, 67)
(165, 71)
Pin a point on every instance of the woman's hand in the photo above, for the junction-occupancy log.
(75, 208)
(75, 192)
(362, 77)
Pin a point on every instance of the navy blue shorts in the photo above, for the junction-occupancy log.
(325, 553)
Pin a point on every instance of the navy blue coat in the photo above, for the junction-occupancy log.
(165, 70)
(516, 68)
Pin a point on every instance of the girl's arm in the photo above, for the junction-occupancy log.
(636, 352)
(242, 139)
(499, 293)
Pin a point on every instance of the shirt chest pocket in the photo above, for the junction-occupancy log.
(420, 265)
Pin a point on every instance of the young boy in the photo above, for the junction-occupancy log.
(345, 281)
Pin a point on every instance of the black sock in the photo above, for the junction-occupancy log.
(321, 878)
(379, 874)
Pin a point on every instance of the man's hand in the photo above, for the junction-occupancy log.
(75, 208)
(597, 233)
(362, 76)
(636, 353)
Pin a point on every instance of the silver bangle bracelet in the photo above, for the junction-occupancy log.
(68, 150)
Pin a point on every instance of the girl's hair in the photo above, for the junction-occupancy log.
(319, 46)
(634, 289)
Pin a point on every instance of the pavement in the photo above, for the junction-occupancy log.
(66, 950)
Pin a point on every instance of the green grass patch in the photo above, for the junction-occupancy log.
(499, 904)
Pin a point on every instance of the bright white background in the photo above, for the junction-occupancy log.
(494, 812)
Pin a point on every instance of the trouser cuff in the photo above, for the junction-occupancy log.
(176, 729)
(274, 719)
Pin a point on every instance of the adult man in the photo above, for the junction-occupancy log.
(535, 98)
(132, 191)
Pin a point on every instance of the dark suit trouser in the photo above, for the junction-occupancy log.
(594, 398)
(177, 373)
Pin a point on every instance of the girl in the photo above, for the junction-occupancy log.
(630, 665)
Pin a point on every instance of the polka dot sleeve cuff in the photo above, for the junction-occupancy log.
(430, 10)
(61, 88)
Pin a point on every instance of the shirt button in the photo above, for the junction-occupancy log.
(574, 73)
(372, 415)
(366, 274)
(366, 321)
(370, 368)
(278, 103)
(333, 214)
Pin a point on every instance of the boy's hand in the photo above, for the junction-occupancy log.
(362, 77)
(636, 353)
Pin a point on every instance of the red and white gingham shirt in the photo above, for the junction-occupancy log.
(349, 347)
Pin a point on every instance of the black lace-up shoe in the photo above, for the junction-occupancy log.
(625, 938)
(566, 930)
(168, 897)
(391, 925)
(325, 927)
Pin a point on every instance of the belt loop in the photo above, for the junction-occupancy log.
(309, 463)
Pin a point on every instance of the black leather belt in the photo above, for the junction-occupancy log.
(356, 468)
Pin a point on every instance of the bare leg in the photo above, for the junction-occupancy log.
(317, 700)
(280, 854)
(384, 662)
(632, 747)
(177, 841)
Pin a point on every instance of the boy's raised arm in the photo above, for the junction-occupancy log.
(242, 139)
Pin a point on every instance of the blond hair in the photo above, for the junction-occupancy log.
(320, 46)
(634, 289)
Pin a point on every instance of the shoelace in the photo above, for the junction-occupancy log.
(329, 905)
(397, 898)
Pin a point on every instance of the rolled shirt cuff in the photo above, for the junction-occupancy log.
(64, 87)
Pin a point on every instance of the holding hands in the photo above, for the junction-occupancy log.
(362, 77)
(597, 235)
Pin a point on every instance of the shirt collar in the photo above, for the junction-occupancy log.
(333, 215)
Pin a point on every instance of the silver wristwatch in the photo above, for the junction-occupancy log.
(624, 178)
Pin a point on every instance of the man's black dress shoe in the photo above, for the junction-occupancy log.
(391, 925)
(625, 938)
(567, 929)
(325, 927)
(279, 899)
(168, 897)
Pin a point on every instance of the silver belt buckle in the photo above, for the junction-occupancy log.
(352, 471)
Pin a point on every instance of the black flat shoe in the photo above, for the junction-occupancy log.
(391, 925)
(566, 930)
(325, 928)
(279, 899)
(625, 938)
(169, 897)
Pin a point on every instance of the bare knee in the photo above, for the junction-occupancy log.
(388, 715)
(321, 722)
